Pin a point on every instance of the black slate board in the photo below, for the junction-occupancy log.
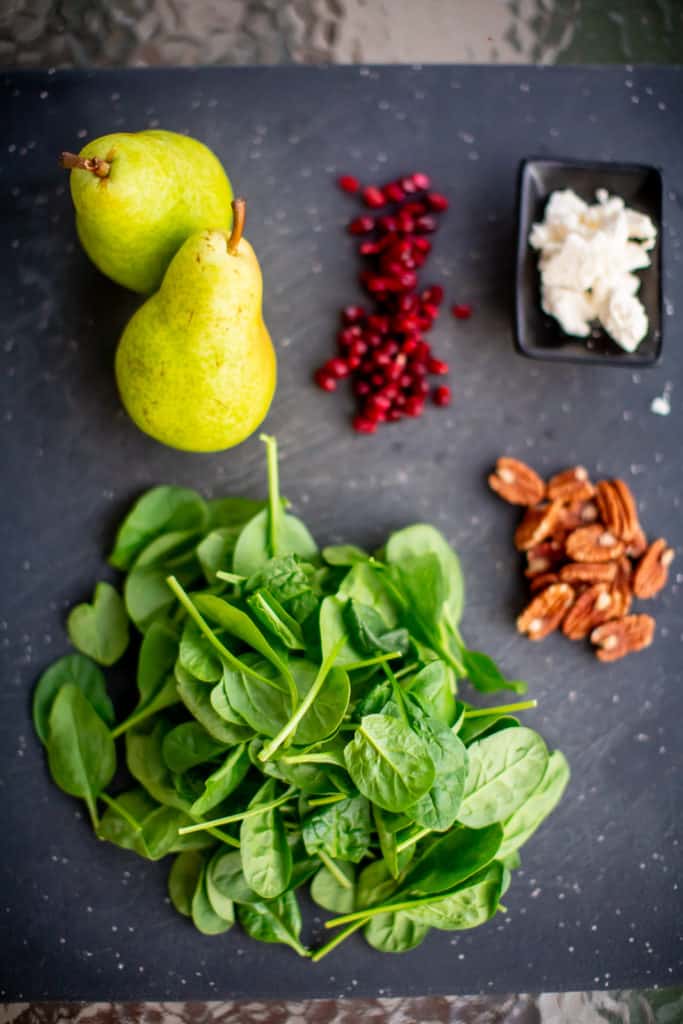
(597, 902)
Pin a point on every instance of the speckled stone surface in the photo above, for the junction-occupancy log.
(597, 901)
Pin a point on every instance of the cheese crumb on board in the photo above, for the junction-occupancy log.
(588, 255)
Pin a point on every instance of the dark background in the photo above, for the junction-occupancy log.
(597, 902)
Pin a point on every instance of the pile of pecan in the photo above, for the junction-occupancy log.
(587, 557)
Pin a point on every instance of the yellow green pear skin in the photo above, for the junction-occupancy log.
(195, 366)
(161, 188)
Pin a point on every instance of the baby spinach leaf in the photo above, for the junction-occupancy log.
(155, 678)
(438, 808)
(394, 933)
(100, 629)
(375, 885)
(368, 632)
(342, 830)
(220, 904)
(160, 510)
(285, 578)
(223, 781)
(197, 656)
(204, 917)
(333, 629)
(80, 749)
(521, 825)
(160, 833)
(472, 904)
(476, 728)
(485, 676)
(274, 618)
(144, 757)
(183, 879)
(451, 859)
(344, 554)
(232, 511)
(215, 552)
(137, 804)
(328, 891)
(388, 763)
(276, 921)
(188, 745)
(196, 697)
(266, 856)
(367, 584)
(329, 707)
(171, 550)
(253, 548)
(262, 702)
(387, 840)
(433, 686)
(81, 672)
(226, 877)
(422, 539)
(220, 701)
(503, 771)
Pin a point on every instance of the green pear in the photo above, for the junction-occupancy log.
(195, 366)
(138, 196)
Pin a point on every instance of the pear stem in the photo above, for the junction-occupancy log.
(239, 210)
(93, 164)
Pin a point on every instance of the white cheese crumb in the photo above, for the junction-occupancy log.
(587, 258)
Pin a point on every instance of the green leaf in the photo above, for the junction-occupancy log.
(216, 550)
(472, 904)
(80, 749)
(451, 859)
(253, 550)
(100, 629)
(220, 904)
(422, 539)
(329, 893)
(274, 618)
(223, 781)
(196, 697)
(433, 686)
(204, 917)
(183, 879)
(160, 833)
(227, 877)
(503, 771)
(388, 763)
(394, 933)
(114, 828)
(284, 577)
(368, 631)
(387, 840)
(333, 629)
(144, 757)
(438, 808)
(521, 825)
(197, 656)
(266, 856)
(344, 554)
(483, 725)
(220, 701)
(238, 624)
(277, 921)
(160, 510)
(485, 676)
(188, 745)
(82, 673)
(342, 830)
(232, 511)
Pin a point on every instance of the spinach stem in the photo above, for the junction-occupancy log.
(224, 837)
(273, 494)
(379, 659)
(384, 908)
(230, 577)
(110, 801)
(251, 812)
(128, 723)
(310, 759)
(333, 943)
(323, 801)
(232, 660)
(501, 709)
(289, 727)
(407, 670)
(335, 871)
(411, 840)
(398, 694)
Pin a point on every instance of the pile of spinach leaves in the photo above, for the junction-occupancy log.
(296, 720)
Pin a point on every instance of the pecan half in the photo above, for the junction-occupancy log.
(617, 508)
(623, 636)
(593, 544)
(536, 525)
(588, 572)
(516, 482)
(622, 590)
(543, 558)
(637, 545)
(589, 610)
(546, 611)
(581, 513)
(543, 580)
(572, 485)
(652, 570)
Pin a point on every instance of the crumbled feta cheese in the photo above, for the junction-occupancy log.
(587, 255)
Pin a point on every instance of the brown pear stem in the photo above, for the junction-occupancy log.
(93, 164)
(239, 211)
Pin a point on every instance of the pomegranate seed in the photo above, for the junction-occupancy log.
(418, 369)
(380, 402)
(374, 283)
(407, 280)
(361, 388)
(325, 380)
(373, 197)
(433, 295)
(405, 222)
(405, 380)
(386, 224)
(431, 310)
(373, 339)
(414, 406)
(390, 392)
(393, 192)
(395, 370)
(415, 209)
(421, 180)
(425, 322)
(405, 324)
(368, 248)
(366, 367)
(422, 245)
(408, 185)
(437, 366)
(461, 311)
(353, 362)
(363, 425)
(409, 345)
(347, 183)
(382, 358)
(377, 380)
(378, 323)
(442, 395)
(425, 224)
(358, 348)
(349, 335)
(390, 347)
(352, 314)
(337, 367)
(421, 388)
(394, 415)
(423, 351)
(360, 226)
(407, 303)
(400, 401)
(437, 202)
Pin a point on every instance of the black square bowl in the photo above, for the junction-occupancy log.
(538, 335)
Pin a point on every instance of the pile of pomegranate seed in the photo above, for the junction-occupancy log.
(381, 346)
